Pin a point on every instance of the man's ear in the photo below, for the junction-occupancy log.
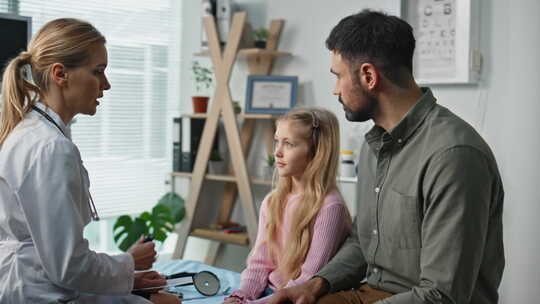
(59, 74)
(369, 76)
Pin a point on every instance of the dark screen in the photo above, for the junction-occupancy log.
(13, 39)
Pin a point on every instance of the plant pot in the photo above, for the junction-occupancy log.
(217, 167)
(260, 44)
(200, 104)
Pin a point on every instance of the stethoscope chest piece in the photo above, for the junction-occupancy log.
(206, 283)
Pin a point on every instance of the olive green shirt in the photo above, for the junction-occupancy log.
(429, 221)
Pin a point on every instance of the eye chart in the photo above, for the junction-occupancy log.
(443, 30)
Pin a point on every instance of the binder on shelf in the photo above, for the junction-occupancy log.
(183, 161)
(196, 130)
(177, 157)
(177, 145)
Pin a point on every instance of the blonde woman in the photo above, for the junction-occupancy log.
(304, 220)
(44, 188)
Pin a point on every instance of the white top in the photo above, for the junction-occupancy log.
(43, 211)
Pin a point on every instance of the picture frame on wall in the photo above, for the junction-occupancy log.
(270, 94)
(447, 44)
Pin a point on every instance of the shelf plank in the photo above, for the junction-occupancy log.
(195, 115)
(262, 52)
(182, 174)
(256, 181)
(249, 52)
(216, 177)
(243, 116)
(216, 235)
(223, 178)
(259, 116)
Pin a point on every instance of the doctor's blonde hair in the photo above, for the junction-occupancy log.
(66, 41)
(319, 127)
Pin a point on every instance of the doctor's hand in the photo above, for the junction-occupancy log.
(149, 279)
(144, 254)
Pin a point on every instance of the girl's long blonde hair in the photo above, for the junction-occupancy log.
(321, 128)
(66, 41)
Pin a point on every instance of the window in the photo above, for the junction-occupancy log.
(126, 146)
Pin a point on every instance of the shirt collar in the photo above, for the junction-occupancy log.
(410, 122)
(55, 117)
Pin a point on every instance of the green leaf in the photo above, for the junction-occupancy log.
(128, 231)
(175, 204)
(161, 222)
(167, 212)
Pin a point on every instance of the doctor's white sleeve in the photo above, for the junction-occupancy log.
(53, 198)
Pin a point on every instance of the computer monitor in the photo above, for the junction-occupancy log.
(15, 32)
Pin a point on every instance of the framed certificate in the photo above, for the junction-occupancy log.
(270, 94)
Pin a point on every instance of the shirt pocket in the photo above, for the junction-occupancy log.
(401, 221)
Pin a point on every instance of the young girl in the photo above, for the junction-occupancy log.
(304, 220)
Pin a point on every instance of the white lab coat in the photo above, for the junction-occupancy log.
(43, 210)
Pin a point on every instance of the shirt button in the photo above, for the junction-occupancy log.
(399, 141)
(377, 189)
(375, 270)
(374, 231)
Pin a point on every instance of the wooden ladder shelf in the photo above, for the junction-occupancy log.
(239, 142)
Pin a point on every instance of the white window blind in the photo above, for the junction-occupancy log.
(126, 146)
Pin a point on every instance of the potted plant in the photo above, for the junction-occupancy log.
(260, 36)
(216, 165)
(268, 169)
(236, 107)
(159, 222)
(203, 81)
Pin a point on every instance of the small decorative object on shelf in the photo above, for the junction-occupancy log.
(229, 227)
(236, 107)
(216, 164)
(203, 82)
(260, 36)
(269, 166)
(347, 164)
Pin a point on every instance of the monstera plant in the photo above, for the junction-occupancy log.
(158, 223)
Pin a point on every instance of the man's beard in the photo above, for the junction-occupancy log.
(366, 112)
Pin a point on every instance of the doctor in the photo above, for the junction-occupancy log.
(44, 188)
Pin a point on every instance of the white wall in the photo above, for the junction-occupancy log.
(504, 106)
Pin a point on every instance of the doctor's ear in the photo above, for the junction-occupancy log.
(59, 74)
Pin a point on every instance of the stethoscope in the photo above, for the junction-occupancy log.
(93, 210)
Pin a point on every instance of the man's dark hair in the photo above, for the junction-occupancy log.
(368, 36)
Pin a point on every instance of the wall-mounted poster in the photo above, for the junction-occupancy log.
(446, 33)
